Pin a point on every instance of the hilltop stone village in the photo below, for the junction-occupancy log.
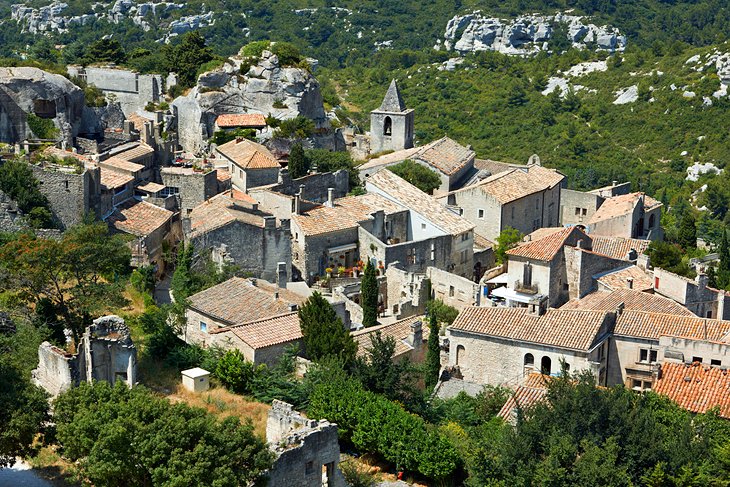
(577, 291)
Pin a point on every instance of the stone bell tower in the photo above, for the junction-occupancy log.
(391, 125)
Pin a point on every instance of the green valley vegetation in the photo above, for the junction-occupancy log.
(18, 182)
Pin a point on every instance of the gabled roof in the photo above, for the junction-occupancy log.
(138, 217)
(524, 396)
(270, 331)
(444, 154)
(112, 179)
(404, 193)
(247, 154)
(632, 300)
(134, 154)
(240, 300)
(222, 210)
(546, 248)
(643, 324)
(393, 102)
(122, 164)
(515, 184)
(252, 120)
(399, 330)
(622, 205)
(569, 329)
(695, 387)
(619, 279)
(618, 247)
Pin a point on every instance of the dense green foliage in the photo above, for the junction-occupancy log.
(187, 57)
(323, 333)
(130, 437)
(81, 275)
(195, 271)
(220, 137)
(17, 181)
(433, 353)
(295, 128)
(42, 128)
(329, 161)
(669, 256)
(419, 176)
(445, 314)
(507, 239)
(374, 424)
(369, 295)
(298, 165)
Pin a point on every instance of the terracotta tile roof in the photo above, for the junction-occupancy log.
(347, 213)
(481, 242)
(622, 205)
(151, 187)
(270, 331)
(248, 155)
(643, 324)
(546, 248)
(139, 217)
(221, 210)
(494, 167)
(113, 179)
(135, 154)
(391, 158)
(524, 396)
(252, 120)
(122, 164)
(222, 174)
(138, 120)
(399, 330)
(618, 279)
(404, 193)
(618, 247)
(632, 300)
(695, 387)
(239, 195)
(514, 184)
(445, 154)
(240, 300)
(571, 329)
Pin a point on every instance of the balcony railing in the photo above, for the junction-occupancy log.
(521, 287)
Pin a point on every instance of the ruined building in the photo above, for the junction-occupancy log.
(105, 352)
(307, 450)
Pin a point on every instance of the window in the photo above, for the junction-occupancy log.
(656, 283)
(463, 257)
(433, 251)
(204, 327)
(481, 214)
(460, 354)
(537, 204)
(529, 360)
(708, 314)
(640, 385)
(600, 352)
(309, 468)
(584, 211)
(577, 211)
(423, 226)
(169, 191)
(652, 220)
(513, 212)
(240, 173)
(527, 274)
(545, 365)
(387, 126)
(451, 291)
(465, 237)
(566, 286)
(715, 362)
(66, 183)
(647, 356)
(696, 359)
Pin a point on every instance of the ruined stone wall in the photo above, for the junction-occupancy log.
(11, 218)
(71, 195)
(453, 290)
(305, 449)
(132, 90)
(194, 187)
(57, 370)
(316, 185)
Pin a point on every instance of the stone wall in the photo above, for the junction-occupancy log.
(306, 450)
(453, 290)
(315, 185)
(72, 196)
(11, 218)
(401, 131)
(407, 292)
(577, 207)
(194, 187)
(57, 370)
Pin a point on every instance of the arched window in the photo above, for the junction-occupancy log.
(387, 126)
(529, 360)
(460, 354)
(545, 365)
(652, 220)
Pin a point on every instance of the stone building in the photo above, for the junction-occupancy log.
(307, 451)
(451, 161)
(694, 294)
(453, 290)
(525, 199)
(189, 187)
(633, 215)
(236, 232)
(105, 352)
(577, 207)
(410, 335)
(250, 164)
(11, 218)
(501, 346)
(391, 125)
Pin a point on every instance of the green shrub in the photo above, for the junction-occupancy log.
(299, 128)
(42, 128)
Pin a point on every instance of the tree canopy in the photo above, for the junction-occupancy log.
(419, 176)
(323, 332)
(19, 183)
(369, 293)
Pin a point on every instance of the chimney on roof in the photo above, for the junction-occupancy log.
(281, 275)
(292, 307)
(415, 337)
(147, 133)
(614, 183)
(620, 308)
(630, 282)
(331, 197)
(702, 281)
(298, 203)
(632, 255)
(128, 128)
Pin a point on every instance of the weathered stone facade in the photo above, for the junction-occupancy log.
(391, 125)
(189, 187)
(308, 452)
(105, 352)
(11, 218)
(453, 290)
(695, 295)
(72, 194)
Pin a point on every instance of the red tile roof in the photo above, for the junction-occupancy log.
(546, 248)
(139, 217)
(113, 179)
(134, 154)
(515, 184)
(632, 299)
(571, 329)
(270, 331)
(618, 247)
(248, 155)
(399, 330)
(346, 213)
(619, 279)
(247, 120)
(642, 324)
(223, 209)
(622, 205)
(523, 397)
(695, 387)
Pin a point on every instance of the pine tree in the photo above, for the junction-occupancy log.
(369, 294)
(298, 165)
(723, 269)
(323, 333)
(687, 237)
(433, 353)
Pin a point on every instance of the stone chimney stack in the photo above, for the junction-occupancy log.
(620, 309)
(297, 204)
(331, 197)
(281, 275)
(632, 255)
(415, 337)
(702, 281)
(630, 282)
(579, 244)
(128, 127)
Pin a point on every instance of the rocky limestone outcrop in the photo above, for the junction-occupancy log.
(267, 88)
(525, 34)
(25, 90)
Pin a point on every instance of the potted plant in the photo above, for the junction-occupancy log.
(341, 271)
(328, 271)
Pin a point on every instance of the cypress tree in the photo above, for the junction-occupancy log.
(323, 333)
(433, 353)
(297, 166)
(369, 294)
(723, 270)
(687, 237)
